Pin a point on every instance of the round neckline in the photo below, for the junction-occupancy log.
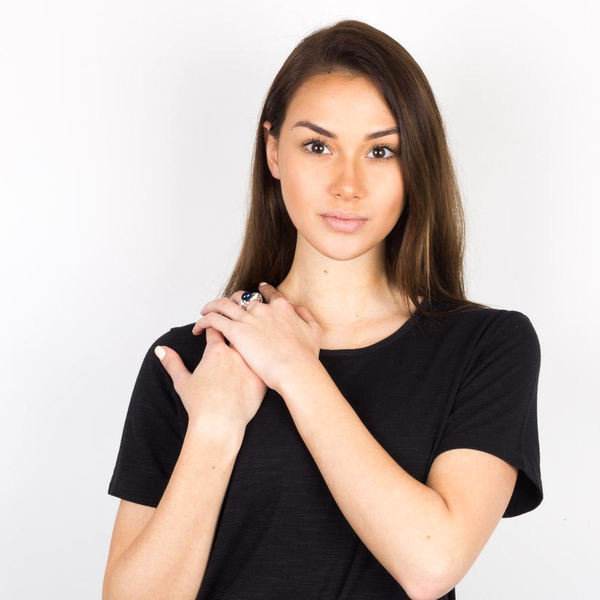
(404, 328)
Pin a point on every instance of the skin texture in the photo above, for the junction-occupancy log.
(343, 174)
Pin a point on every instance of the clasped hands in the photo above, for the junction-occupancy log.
(276, 337)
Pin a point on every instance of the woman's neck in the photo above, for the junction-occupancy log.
(348, 306)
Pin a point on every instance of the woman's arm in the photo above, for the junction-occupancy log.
(424, 543)
(169, 557)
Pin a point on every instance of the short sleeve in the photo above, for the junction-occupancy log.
(152, 438)
(495, 409)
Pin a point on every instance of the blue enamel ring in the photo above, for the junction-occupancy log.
(249, 297)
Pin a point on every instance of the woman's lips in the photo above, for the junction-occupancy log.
(345, 225)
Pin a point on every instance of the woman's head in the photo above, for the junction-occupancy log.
(351, 80)
(326, 158)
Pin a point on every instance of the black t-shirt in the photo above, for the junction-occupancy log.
(465, 380)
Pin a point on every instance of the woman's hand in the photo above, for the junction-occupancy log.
(272, 337)
(222, 393)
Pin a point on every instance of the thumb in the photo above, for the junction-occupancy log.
(304, 314)
(173, 364)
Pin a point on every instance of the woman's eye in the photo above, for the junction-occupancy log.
(317, 143)
(380, 151)
(318, 147)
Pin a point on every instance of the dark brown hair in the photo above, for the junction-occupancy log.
(425, 250)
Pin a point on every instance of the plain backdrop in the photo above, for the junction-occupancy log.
(126, 131)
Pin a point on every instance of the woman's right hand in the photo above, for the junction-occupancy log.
(223, 392)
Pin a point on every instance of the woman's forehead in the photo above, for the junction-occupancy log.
(339, 106)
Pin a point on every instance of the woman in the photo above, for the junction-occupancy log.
(356, 428)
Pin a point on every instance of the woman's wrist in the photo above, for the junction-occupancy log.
(220, 431)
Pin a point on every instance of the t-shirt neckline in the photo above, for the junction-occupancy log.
(404, 328)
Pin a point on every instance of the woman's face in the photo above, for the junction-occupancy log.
(325, 163)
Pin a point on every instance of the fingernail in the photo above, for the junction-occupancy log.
(262, 283)
(160, 352)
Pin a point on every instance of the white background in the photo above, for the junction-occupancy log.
(126, 131)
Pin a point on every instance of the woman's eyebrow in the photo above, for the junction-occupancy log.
(369, 136)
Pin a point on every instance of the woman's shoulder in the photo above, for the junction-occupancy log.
(181, 339)
(478, 317)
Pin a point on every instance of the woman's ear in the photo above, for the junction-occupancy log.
(271, 150)
(266, 131)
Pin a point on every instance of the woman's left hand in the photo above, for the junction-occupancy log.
(273, 337)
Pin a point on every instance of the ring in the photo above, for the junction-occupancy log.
(248, 298)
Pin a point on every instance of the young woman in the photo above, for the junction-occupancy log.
(356, 428)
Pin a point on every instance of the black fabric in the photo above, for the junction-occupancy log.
(466, 380)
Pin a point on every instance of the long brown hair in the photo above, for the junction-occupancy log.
(425, 250)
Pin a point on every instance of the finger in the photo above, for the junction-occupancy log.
(301, 312)
(237, 297)
(217, 336)
(223, 306)
(173, 364)
(214, 336)
(218, 321)
(269, 292)
(305, 315)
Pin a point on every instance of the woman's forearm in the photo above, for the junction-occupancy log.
(404, 523)
(169, 557)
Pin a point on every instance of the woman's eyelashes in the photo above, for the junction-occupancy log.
(317, 142)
